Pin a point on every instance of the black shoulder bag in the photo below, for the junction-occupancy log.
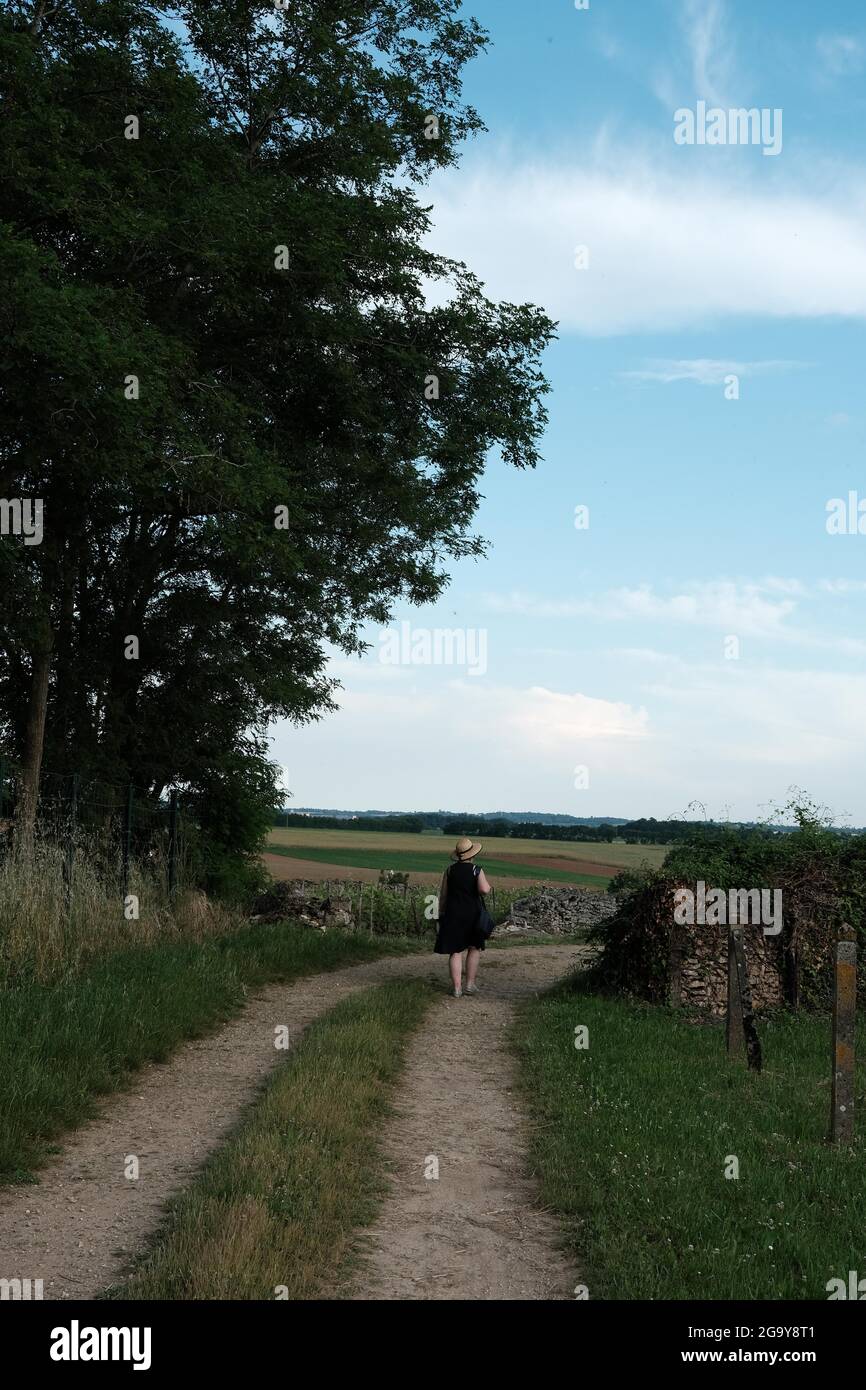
(485, 923)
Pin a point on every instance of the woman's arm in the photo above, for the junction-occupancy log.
(483, 885)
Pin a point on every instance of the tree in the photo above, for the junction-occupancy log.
(251, 428)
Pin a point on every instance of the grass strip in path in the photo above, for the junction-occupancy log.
(634, 1135)
(276, 1208)
(63, 1045)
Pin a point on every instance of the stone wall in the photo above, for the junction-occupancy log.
(699, 968)
(558, 911)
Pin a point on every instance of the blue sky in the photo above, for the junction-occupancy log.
(703, 639)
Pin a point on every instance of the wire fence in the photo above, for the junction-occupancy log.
(115, 824)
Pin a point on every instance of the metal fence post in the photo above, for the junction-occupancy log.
(69, 858)
(127, 842)
(172, 846)
(844, 1019)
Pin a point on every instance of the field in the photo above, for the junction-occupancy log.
(298, 852)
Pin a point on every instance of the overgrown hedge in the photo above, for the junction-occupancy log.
(822, 877)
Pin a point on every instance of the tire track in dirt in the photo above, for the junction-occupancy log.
(79, 1225)
(476, 1231)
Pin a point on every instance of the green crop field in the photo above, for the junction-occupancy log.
(384, 846)
(406, 861)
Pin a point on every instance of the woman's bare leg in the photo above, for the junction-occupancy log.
(456, 964)
(473, 956)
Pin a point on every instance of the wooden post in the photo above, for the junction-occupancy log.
(675, 965)
(844, 1017)
(750, 1032)
(734, 1036)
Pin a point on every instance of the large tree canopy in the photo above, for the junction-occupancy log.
(217, 332)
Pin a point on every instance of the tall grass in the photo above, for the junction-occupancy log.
(49, 928)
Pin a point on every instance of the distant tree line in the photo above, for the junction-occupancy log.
(646, 831)
(396, 824)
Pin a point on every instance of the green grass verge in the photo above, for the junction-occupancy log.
(279, 1205)
(631, 1139)
(65, 1044)
(410, 861)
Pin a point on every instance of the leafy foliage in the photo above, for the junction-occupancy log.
(820, 872)
(264, 394)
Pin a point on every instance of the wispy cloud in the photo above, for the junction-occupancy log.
(711, 48)
(707, 371)
(842, 55)
(842, 587)
(768, 609)
(722, 605)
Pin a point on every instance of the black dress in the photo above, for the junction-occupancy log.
(458, 925)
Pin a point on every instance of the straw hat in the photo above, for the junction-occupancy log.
(464, 849)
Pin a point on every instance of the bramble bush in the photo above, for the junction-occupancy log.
(820, 871)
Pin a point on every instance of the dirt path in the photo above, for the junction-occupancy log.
(78, 1226)
(475, 1231)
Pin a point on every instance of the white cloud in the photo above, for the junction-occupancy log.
(553, 722)
(722, 605)
(842, 587)
(471, 745)
(704, 63)
(802, 721)
(669, 246)
(731, 733)
(842, 55)
(707, 371)
(764, 609)
(710, 48)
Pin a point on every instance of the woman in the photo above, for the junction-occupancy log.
(461, 896)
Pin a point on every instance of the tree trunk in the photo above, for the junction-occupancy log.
(34, 738)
